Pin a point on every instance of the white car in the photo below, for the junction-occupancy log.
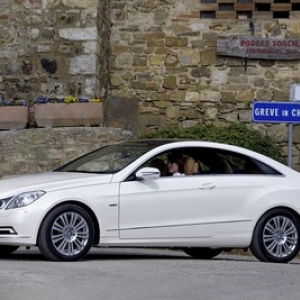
(123, 195)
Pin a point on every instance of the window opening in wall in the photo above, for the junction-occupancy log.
(262, 6)
(295, 6)
(281, 14)
(208, 15)
(249, 9)
(226, 6)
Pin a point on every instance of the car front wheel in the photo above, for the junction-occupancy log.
(276, 237)
(7, 250)
(66, 234)
(202, 253)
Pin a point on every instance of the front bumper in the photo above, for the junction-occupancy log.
(20, 226)
(16, 240)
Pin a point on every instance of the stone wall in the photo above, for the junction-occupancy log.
(49, 47)
(44, 149)
(164, 55)
(153, 62)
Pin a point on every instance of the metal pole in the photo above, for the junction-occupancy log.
(290, 133)
(290, 146)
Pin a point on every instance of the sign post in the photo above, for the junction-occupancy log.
(294, 96)
(280, 112)
(295, 92)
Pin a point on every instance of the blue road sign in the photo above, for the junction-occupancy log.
(276, 112)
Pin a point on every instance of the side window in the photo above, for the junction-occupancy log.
(159, 162)
(237, 163)
(251, 167)
(266, 169)
(214, 161)
(205, 161)
(178, 162)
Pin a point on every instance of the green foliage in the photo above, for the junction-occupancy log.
(237, 134)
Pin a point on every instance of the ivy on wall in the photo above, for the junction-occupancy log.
(236, 134)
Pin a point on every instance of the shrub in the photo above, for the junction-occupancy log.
(237, 134)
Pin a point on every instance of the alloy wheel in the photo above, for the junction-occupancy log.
(70, 233)
(280, 236)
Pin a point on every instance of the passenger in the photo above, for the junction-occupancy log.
(161, 165)
(191, 167)
(175, 164)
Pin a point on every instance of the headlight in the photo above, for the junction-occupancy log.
(3, 202)
(24, 199)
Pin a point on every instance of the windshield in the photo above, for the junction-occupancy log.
(108, 159)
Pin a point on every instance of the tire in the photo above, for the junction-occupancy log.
(66, 234)
(202, 253)
(6, 250)
(276, 237)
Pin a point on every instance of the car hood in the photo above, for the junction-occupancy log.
(49, 181)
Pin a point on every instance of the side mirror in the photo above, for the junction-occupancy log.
(147, 174)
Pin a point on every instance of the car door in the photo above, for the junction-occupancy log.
(245, 198)
(169, 207)
(218, 200)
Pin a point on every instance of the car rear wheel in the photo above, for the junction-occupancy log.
(276, 237)
(66, 234)
(6, 250)
(202, 253)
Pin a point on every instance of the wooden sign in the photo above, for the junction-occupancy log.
(258, 47)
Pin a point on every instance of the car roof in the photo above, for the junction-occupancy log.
(182, 143)
(157, 142)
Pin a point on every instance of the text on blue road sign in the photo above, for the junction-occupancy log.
(276, 112)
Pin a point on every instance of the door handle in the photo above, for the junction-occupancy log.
(207, 186)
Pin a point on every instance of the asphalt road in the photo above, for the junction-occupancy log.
(138, 274)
